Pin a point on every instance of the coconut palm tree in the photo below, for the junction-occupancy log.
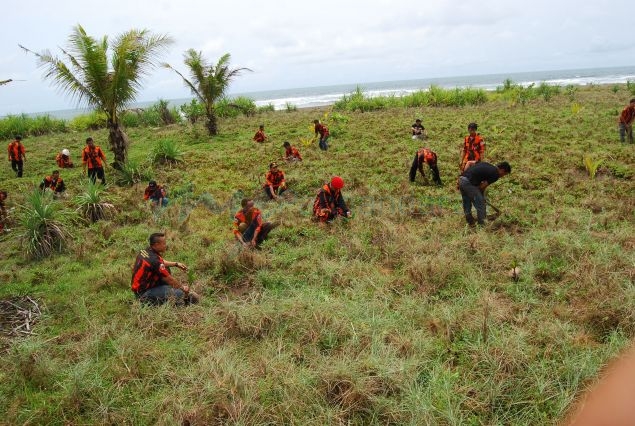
(208, 82)
(86, 74)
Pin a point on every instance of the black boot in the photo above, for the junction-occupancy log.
(470, 220)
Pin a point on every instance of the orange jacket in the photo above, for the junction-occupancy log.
(148, 270)
(16, 151)
(292, 152)
(93, 157)
(260, 136)
(628, 115)
(274, 178)
(328, 198)
(63, 162)
(473, 149)
(241, 217)
(427, 156)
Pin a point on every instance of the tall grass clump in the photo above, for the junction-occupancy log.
(43, 222)
(265, 108)
(229, 108)
(91, 204)
(92, 121)
(166, 151)
(193, 111)
(435, 96)
(30, 126)
(131, 172)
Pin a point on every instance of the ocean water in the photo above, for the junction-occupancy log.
(305, 97)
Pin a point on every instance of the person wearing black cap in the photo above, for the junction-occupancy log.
(472, 185)
(156, 194)
(17, 155)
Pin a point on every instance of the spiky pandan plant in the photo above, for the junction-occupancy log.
(208, 82)
(87, 74)
(91, 204)
(43, 222)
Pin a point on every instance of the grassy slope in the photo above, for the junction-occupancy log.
(389, 317)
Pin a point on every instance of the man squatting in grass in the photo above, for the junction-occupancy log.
(473, 183)
(92, 157)
(418, 131)
(275, 184)
(323, 131)
(17, 155)
(156, 194)
(54, 182)
(249, 229)
(291, 153)
(329, 202)
(152, 282)
(626, 122)
(427, 156)
(260, 135)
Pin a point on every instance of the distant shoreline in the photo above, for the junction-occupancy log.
(325, 96)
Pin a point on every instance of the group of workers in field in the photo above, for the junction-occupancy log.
(152, 281)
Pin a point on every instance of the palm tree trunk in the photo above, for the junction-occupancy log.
(118, 143)
(212, 125)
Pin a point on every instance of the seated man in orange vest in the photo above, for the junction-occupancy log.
(473, 148)
(54, 183)
(152, 282)
(329, 202)
(63, 159)
(427, 156)
(275, 184)
(249, 229)
(260, 136)
(291, 153)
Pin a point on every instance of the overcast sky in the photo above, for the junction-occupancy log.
(299, 44)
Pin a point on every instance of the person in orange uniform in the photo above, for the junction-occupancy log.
(291, 153)
(260, 135)
(425, 156)
(152, 283)
(249, 229)
(473, 148)
(275, 184)
(329, 202)
(17, 155)
(63, 159)
(156, 194)
(626, 122)
(323, 132)
(54, 182)
(92, 157)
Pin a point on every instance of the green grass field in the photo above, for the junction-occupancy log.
(401, 315)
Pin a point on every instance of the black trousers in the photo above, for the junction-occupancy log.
(17, 165)
(97, 172)
(416, 166)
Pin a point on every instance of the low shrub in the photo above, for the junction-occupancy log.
(166, 151)
(91, 203)
(43, 222)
